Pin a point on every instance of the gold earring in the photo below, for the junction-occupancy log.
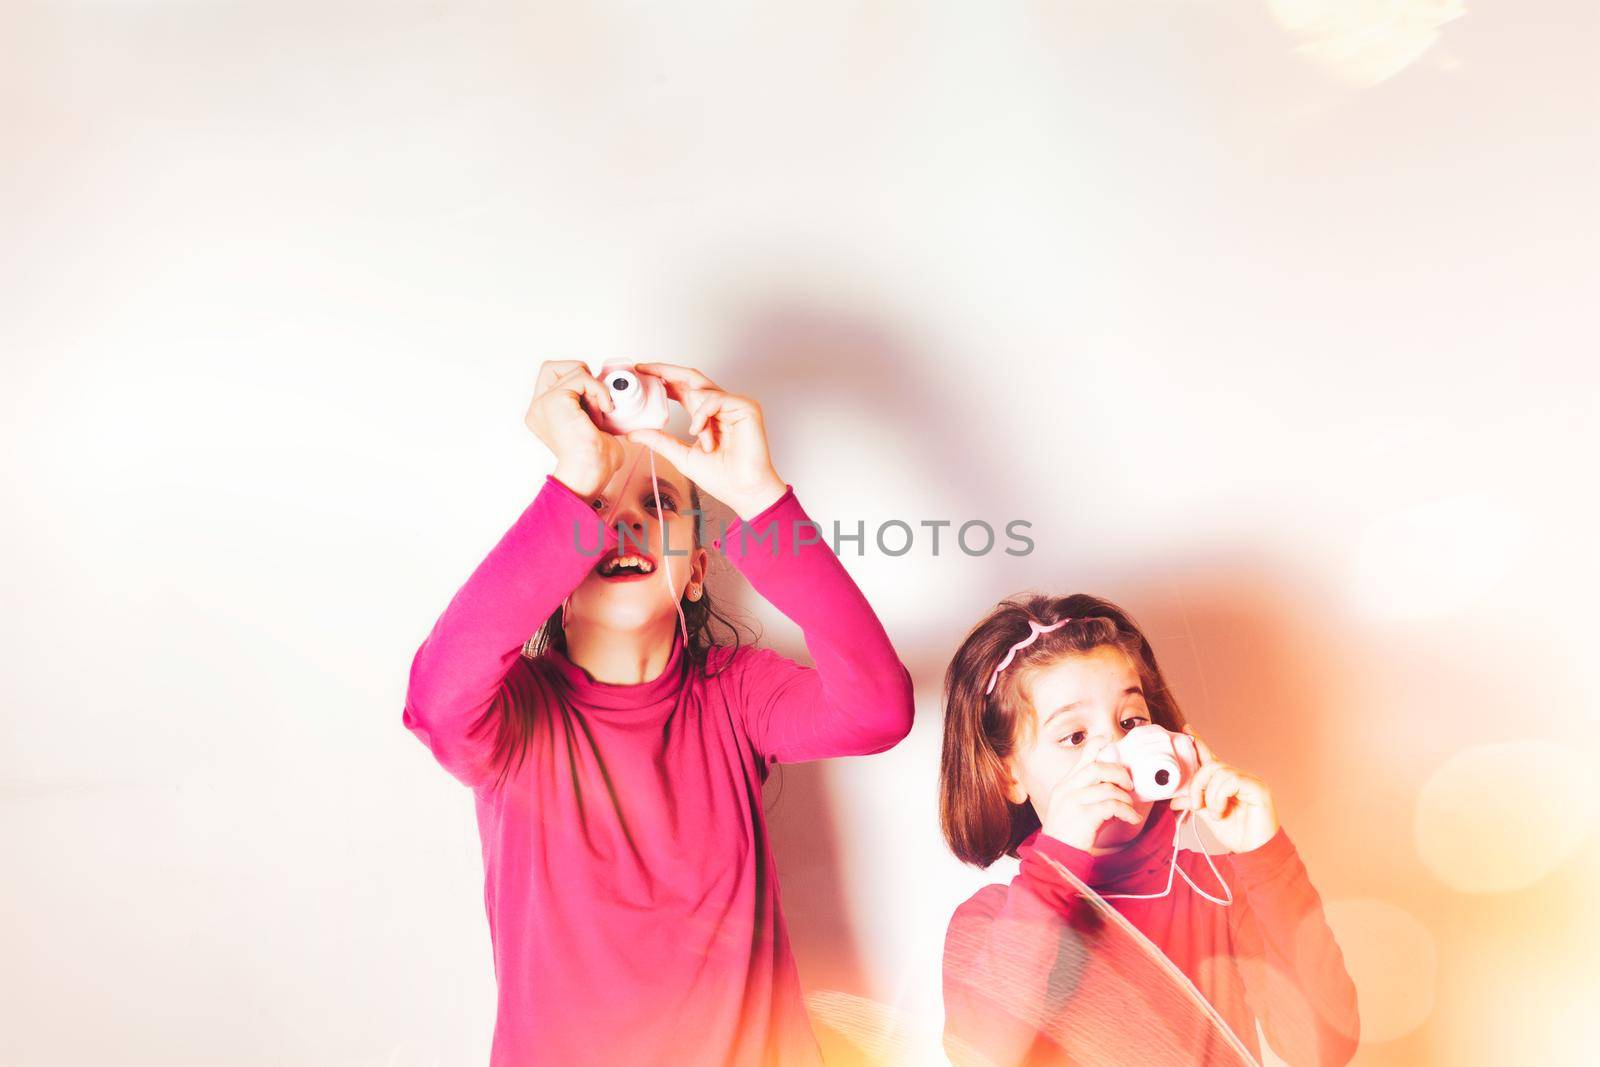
(694, 590)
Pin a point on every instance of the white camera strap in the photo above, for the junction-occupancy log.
(1174, 869)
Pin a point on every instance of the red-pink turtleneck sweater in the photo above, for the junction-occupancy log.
(1032, 975)
(631, 893)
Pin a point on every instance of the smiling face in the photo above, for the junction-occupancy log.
(626, 589)
(1078, 704)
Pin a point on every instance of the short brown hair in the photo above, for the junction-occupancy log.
(981, 730)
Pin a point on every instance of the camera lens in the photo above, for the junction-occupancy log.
(1163, 776)
(627, 392)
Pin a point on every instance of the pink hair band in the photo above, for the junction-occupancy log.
(1033, 636)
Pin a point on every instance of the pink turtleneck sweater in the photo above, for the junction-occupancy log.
(631, 893)
(1033, 975)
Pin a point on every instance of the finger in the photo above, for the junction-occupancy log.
(551, 370)
(1223, 786)
(1090, 766)
(706, 411)
(581, 383)
(687, 377)
(689, 396)
(1115, 773)
(1102, 791)
(1195, 790)
(737, 411)
(664, 444)
(710, 438)
(721, 410)
(1117, 809)
(1088, 799)
(1252, 789)
(1203, 749)
(684, 384)
(1081, 780)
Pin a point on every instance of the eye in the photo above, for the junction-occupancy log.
(1076, 738)
(1134, 721)
(667, 504)
(597, 504)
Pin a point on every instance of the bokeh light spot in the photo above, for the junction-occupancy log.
(1393, 961)
(1495, 818)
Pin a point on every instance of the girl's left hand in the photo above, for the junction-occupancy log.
(730, 459)
(1236, 807)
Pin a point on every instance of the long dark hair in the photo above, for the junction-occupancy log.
(981, 730)
(532, 683)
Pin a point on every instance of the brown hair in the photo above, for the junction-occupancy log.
(532, 682)
(981, 730)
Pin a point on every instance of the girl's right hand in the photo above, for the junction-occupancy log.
(1093, 793)
(586, 456)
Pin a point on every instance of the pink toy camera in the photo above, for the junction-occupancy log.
(1161, 762)
(640, 400)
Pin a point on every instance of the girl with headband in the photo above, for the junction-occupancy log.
(616, 764)
(1054, 968)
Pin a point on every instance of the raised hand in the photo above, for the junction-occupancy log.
(1236, 807)
(1091, 795)
(586, 456)
(730, 459)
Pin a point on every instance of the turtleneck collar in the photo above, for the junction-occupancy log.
(642, 696)
(1150, 851)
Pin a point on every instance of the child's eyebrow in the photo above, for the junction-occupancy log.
(1062, 710)
(1132, 690)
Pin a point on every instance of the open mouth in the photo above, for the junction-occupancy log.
(623, 566)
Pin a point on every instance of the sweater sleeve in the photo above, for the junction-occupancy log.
(462, 664)
(858, 698)
(1294, 974)
(1011, 962)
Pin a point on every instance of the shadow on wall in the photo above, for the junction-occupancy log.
(793, 357)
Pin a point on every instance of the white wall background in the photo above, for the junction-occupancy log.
(1275, 318)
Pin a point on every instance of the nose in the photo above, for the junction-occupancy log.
(1104, 740)
(634, 518)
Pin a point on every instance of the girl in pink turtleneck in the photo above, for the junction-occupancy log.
(616, 769)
